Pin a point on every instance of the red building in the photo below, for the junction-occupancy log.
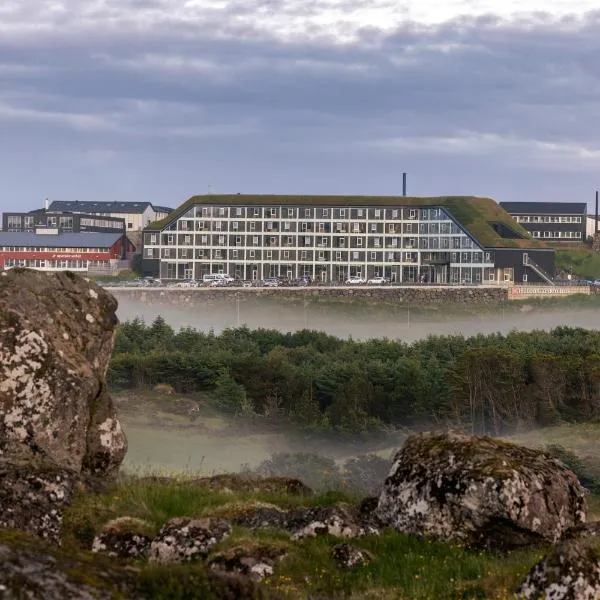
(66, 251)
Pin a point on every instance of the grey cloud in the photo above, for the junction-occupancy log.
(522, 93)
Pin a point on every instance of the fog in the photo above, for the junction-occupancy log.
(359, 321)
(165, 439)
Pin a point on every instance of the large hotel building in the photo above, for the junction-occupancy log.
(445, 240)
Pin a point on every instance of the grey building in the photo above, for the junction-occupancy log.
(42, 221)
(445, 240)
(551, 221)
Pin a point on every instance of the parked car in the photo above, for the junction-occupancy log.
(219, 283)
(354, 280)
(378, 281)
(272, 282)
(186, 283)
(301, 281)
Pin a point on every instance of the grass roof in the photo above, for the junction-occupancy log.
(481, 217)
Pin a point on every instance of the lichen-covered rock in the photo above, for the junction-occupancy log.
(183, 539)
(348, 557)
(125, 537)
(252, 560)
(56, 337)
(33, 498)
(480, 491)
(338, 521)
(570, 571)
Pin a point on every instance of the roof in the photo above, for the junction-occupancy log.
(164, 209)
(96, 207)
(479, 216)
(545, 208)
(63, 240)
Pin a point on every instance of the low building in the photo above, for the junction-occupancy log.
(551, 221)
(81, 252)
(444, 240)
(42, 221)
(137, 215)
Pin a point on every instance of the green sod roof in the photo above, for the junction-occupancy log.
(478, 216)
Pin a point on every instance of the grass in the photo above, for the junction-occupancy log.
(583, 262)
(403, 566)
(475, 214)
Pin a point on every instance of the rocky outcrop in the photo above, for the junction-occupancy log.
(480, 491)
(253, 560)
(570, 571)
(238, 483)
(346, 556)
(33, 497)
(338, 521)
(182, 540)
(125, 537)
(56, 338)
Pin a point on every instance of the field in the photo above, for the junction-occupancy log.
(205, 442)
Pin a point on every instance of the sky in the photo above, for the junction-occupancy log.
(159, 100)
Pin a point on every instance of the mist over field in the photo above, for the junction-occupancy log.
(360, 321)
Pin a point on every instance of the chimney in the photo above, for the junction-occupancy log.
(47, 204)
(404, 184)
(596, 219)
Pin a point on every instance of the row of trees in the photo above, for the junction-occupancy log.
(490, 383)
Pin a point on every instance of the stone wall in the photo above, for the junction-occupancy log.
(396, 294)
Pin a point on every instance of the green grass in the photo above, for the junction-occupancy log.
(475, 214)
(403, 566)
(583, 263)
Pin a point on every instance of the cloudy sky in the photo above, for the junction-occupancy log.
(162, 99)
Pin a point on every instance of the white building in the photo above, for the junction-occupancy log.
(137, 215)
(330, 238)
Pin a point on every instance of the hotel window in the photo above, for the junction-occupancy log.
(166, 253)
(290, 240)
(338, 256)
(204, 239)
(356, 227)
(272, 241)
(238, 212)
(342, 212)
(321, 255)
(338, 226)
(359, 242)
(323, 241)
(170, 239)
(303, 255)
(184, 253)
(373, 227)
(412, 214)
(238, 240)
(390, 256)
(373, 255)
(273, 212)
(409, 228)
(221, 240)
(269, 254)
(221, 212)
(488, 256)
(251, 253)
(153, 238)
(234, 254)
(200, 226)
(217, 254)
(252, 226)
(187, 239)
(255, 240)
(234, 225)
(307, 212)
(325, 212)
(218, 225)
(360, 212)
(307, 241)
(304, 226)
(269, 224)
(256, 212)
(290, 212)
(321, 227)
(395, 213)
(286, 225)
(377, 213)
(355, 255)
(205, 212)
(377, 242)
(149, 252)
(286, 254)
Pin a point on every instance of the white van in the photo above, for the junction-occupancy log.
(210, 277)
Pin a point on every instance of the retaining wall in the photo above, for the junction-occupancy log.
(397, 294)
